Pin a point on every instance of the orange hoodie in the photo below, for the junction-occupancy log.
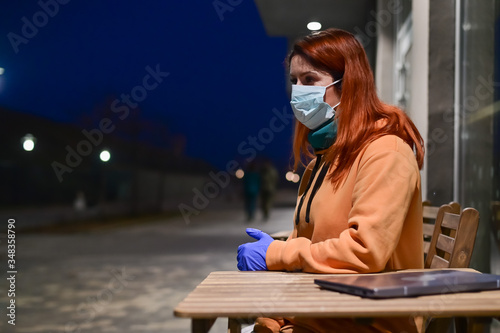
(371, 223)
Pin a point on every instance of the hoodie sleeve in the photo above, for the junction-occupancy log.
(385, 183)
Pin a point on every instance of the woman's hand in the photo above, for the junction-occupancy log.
(252, 256)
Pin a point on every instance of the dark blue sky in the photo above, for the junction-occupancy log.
(225, 74)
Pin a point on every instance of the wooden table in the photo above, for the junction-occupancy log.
(248, 295)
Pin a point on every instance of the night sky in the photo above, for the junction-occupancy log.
(209, 74)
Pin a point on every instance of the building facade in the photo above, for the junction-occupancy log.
(439, 61)
(445, 64)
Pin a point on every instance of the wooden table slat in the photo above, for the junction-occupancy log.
(254, 294)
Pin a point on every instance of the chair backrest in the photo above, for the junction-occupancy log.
(453, 239)
(430, 214)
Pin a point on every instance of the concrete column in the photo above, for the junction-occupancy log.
(420, 76)
(384, 68)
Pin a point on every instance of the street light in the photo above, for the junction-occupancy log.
(28, 141)
(292, 177)
(2, 80)
(313, 26)
(105, 155)
(240, 173)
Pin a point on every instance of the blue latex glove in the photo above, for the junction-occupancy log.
(252, 256)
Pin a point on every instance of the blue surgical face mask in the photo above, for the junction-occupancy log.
(308, 105)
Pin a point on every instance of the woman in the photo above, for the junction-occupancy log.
(359, 207)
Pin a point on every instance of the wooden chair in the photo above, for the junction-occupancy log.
(451, 246)
(453, 239)
(430, 214)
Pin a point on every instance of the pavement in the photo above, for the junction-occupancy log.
(123, 276)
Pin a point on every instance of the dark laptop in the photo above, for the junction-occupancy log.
(404, 284)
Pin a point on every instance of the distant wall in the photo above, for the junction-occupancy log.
(154, 193)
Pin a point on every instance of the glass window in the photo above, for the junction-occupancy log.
(479, 120)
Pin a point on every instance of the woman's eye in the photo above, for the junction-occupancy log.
(309, 80)
(293, 81)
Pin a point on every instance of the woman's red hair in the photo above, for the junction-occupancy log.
(338, 53)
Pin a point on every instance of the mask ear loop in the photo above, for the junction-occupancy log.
(331, 84)
(335, 82)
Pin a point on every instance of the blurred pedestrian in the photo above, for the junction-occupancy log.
(268, 182)
(80, 203)
(251, 187)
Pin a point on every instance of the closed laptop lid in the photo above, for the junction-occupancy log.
(403, 284)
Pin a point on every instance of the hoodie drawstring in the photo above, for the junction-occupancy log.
(309, 183)
(315, 188)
